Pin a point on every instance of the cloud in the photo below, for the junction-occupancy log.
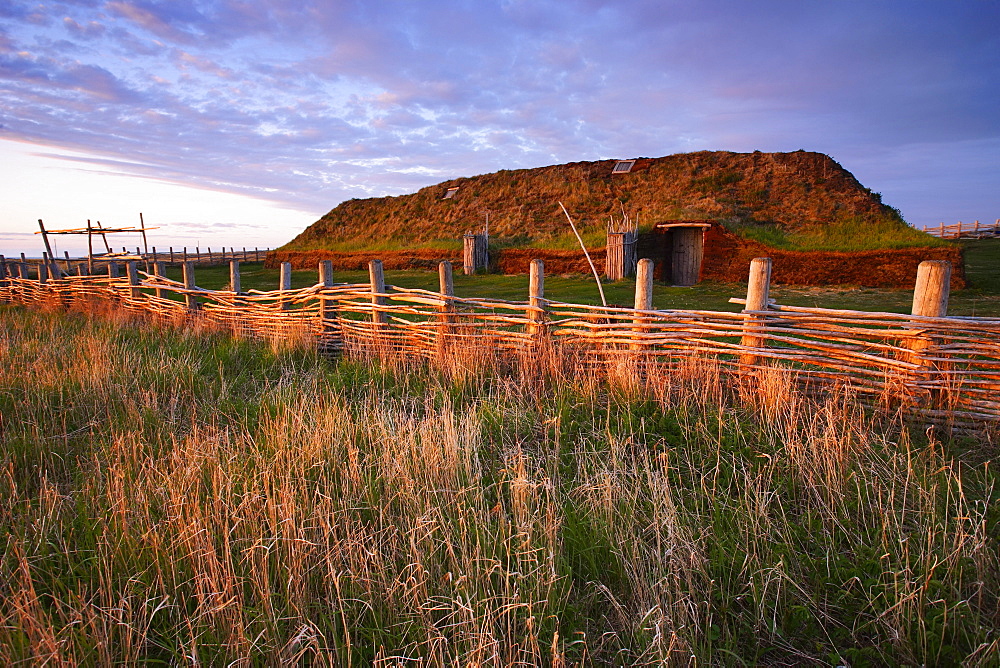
(310, 103)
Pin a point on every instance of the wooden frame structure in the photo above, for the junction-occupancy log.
(91, 231)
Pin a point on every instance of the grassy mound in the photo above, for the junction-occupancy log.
(799, 200)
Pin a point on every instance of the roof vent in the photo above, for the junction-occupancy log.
(451, 193)
(623, 167)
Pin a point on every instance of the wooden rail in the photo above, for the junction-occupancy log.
(943, 369)
(964, 230)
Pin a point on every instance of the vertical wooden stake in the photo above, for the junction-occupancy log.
(536, 298)
(643, 296)
(159, 269)
(132, 269)
(234, 277)
(90, 249)
(190, 300)
(286, 283)
(43, 272)
(377, 277)
(171, 255)
(112, 270)
(446, 286)
(327, 307)
(758, 288)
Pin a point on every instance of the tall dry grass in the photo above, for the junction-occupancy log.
(183, 497)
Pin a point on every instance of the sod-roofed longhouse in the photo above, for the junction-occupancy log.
(802, 208)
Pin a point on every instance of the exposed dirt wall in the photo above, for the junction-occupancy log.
(405, 259)
(727, 258)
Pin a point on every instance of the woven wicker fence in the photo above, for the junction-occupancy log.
(942, 369)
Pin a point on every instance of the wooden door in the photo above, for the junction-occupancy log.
(688, 248)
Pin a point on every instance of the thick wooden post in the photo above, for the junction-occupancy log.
(536, 298)
(234, 277)
(930, 299)
(132, 269)
(159, 270)
(377, 277)
(43, 272)
(190, 300)
(931, 292)
(112, 269)
(286, 283)
(758, 288)
(446, 286)
(643, 296)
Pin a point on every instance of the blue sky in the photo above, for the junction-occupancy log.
(240, 122)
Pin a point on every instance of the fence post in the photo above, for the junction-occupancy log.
(536, 298)
(132, 269)
(377, 277)
(234, 277)
(43, 272)
(327, 307)
(930, 299)
(112, 269)
(446, 286)
(286, 283)
(931, 292)
(758, 288)
(159, 270)
(643, 296)
(190, 300)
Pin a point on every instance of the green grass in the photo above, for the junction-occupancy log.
(173, 497)
(846, 235)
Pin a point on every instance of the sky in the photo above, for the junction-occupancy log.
(240, 122)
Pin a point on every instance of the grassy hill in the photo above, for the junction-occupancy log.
(802, 200)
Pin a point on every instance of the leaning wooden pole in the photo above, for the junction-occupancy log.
(56, 272)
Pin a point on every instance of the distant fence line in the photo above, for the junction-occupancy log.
(943, 369)
(81, 266)
(964, 230)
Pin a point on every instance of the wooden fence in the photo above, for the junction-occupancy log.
(86, 265)
(943, 369)
(964, 230)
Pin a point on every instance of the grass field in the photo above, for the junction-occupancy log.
(982, 298)
(180, 497)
